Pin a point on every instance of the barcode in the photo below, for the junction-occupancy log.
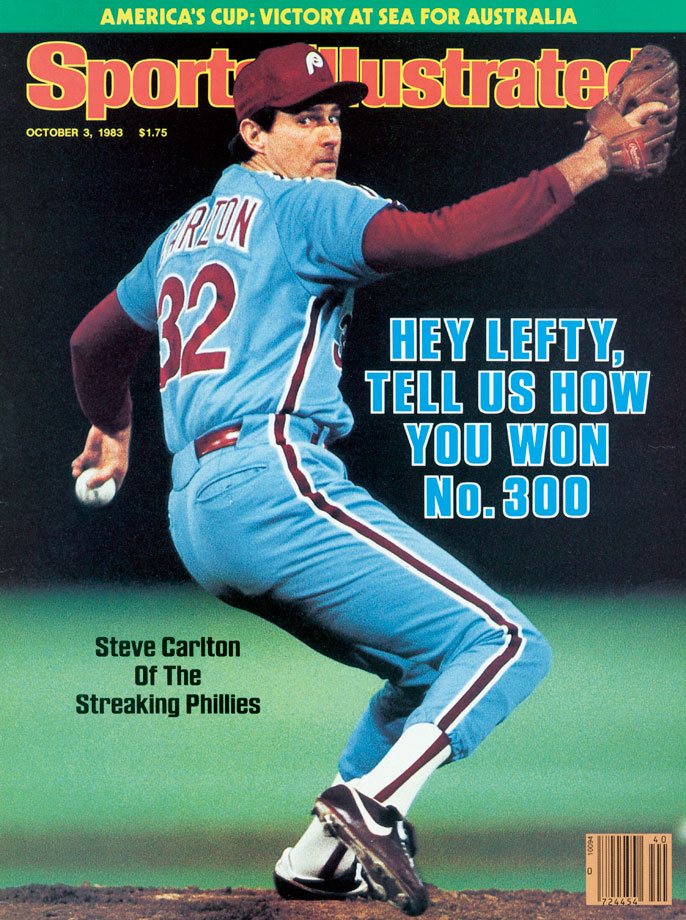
(658, 874)
(628, 869)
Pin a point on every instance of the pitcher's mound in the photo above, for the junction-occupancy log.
(90, 902)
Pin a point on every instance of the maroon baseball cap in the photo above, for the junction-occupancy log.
(287, 75)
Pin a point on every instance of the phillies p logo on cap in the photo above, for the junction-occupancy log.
(288, 75)
(313, 59)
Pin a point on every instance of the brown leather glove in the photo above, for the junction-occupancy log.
(639, 151)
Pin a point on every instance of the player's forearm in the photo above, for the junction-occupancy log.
(105, 348)
(585, 167)
(396, 239)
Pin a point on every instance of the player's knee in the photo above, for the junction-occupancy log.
(537, 654)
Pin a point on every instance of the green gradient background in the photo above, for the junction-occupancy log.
(211, 800)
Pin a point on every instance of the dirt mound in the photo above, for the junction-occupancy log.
(89, 902)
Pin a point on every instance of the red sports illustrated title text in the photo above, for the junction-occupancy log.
(66, 79)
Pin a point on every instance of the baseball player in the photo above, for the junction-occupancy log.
(249, 294)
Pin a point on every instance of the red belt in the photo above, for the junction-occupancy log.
(215, 440)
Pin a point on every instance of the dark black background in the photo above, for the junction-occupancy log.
(79, 214)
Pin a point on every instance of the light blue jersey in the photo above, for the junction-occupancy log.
(251, 293)
(256, 273)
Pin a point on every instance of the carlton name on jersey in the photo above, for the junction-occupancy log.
(227, 221)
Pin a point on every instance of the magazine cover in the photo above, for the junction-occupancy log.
(342, 516)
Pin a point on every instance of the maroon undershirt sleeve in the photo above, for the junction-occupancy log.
(107, 344)
(105, 348)
(396, 239)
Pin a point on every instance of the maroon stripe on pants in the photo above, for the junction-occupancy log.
(512, 636)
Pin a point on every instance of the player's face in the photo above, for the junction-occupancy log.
(305, 144)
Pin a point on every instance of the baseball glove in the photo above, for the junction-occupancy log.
(639, 151)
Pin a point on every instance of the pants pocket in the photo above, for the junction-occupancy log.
(227, 481)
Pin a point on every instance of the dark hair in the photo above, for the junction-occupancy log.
(265, 119)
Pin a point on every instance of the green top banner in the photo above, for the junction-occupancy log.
(580, 16)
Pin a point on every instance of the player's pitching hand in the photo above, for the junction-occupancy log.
(108, 454)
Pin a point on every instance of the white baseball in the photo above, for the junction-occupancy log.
(98, 497)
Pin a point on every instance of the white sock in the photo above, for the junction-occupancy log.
(317, 856)
(395, 780)
(399, 776)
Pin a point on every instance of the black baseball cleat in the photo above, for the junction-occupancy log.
(347, 886)
(383, 842)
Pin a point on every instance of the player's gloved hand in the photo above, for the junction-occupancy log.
(591, 163)
(638, 140)
(639, 116)
(107, 453)
(642, 113)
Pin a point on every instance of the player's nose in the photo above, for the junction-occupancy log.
(330, 135)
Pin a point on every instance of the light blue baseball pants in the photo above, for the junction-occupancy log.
(273, 525)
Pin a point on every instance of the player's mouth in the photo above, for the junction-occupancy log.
(328, 165)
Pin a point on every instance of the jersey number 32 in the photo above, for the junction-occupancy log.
(185, 355)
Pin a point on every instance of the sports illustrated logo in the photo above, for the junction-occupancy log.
(64, 78)
(312, 61)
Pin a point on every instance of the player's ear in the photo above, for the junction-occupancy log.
(252, 134)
